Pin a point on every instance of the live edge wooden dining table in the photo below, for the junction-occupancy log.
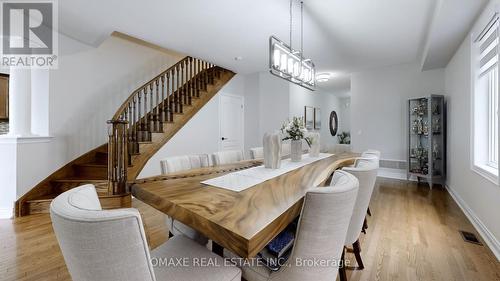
(243, 222)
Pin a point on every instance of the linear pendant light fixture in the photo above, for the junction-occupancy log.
(290, 64)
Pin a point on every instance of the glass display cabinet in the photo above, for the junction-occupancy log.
(427, 139)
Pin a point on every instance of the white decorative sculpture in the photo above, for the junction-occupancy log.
(272, 150)
(315, 144)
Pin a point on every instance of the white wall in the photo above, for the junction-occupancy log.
(8, 180)
(479, 197)
(300, 97)
(344, 114)
(274, 105)
(252, 111)
(379, 109)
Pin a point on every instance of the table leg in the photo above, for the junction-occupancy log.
(217, 249)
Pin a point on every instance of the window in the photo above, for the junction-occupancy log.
(485, 101)
(493, 118)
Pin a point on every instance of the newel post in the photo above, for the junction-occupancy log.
(117, 157)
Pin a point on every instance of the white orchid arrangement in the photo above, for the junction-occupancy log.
(295, 130)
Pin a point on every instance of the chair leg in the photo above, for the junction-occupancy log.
(217, 249)
(357, 253)
(342, 272)
(369, 212)
(365, 226)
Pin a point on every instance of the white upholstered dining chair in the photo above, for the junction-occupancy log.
(373, 152)
(366, 173)
(177, 164)
(111, 244)
(257, 153)
(321, 233)
(227, 157)
(183, 163)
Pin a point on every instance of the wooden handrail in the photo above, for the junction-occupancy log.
(149, 108)
(127, 101)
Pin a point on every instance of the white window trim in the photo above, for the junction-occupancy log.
(482, 169)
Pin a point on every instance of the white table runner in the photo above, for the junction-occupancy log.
(241, 180)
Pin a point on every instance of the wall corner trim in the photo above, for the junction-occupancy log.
(487, 236)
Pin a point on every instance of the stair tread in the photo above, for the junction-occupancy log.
(48, 197)
(93, 164)
(80, 180)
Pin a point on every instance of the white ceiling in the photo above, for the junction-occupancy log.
(341, 36)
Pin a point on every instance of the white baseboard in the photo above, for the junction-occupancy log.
(6, 213)
(392, 173)
(487, 236)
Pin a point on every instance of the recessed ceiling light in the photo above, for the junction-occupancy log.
(238, 58)
(323, 77)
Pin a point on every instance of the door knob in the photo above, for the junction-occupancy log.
(223, 138)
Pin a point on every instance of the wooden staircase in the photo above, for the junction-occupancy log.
(145, 122)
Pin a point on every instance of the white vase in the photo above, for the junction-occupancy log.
(315, 145)
(272, 150)
(296, 150)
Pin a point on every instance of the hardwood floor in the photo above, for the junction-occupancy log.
(412, 235)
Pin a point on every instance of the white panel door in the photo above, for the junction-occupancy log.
(231, 122)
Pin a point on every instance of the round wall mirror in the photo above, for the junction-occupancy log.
(334, 123)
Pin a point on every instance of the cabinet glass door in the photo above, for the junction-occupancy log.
(419, 136)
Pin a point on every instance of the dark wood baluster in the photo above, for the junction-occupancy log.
(205, 83)
(212, 74)
(195, 72)
(182, 85)
(175, 84)
(186, 80)
(139, 124)
(151, 113)
(209, 71)
(178, 91)
(170, 102)
(217, 72)
(146, 128)
(190, 81)
(198, 78)
(163, 117)
(203, 76)
(128, 115)
(134, 126)
(158, 125)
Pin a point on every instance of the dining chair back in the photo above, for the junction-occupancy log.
(100, 244)
(321, 231)
(371, 152)
(111, 245)
(257, 153)
(227, 157)
(366, 173)
(183, 163)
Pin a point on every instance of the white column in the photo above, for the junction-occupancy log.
(20, 102)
